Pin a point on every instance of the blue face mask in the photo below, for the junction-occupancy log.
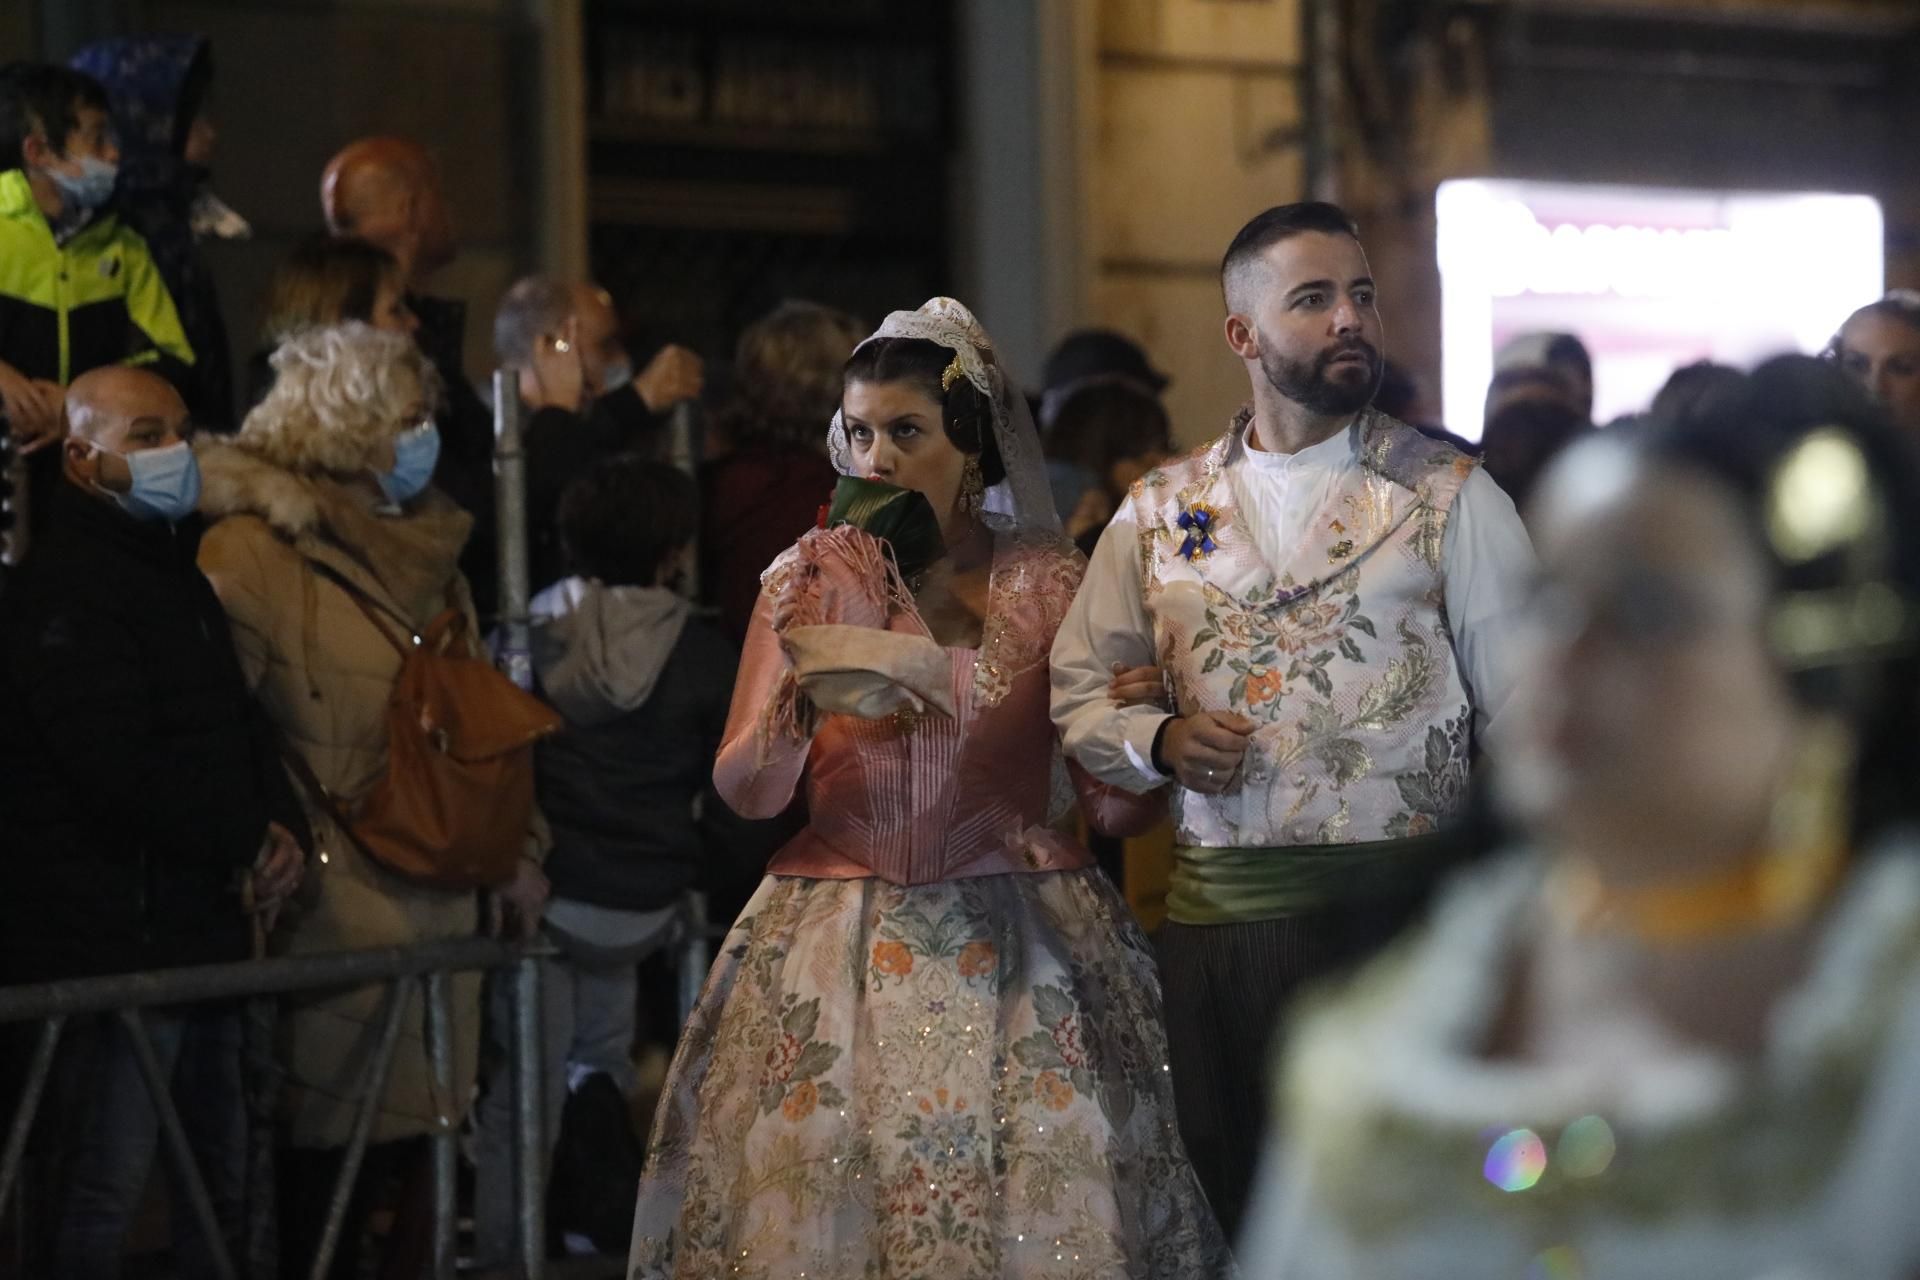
(415, 454)
(166, 483)
(617, 375)
(88, 189)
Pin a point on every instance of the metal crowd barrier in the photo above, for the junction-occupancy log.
(406, 970)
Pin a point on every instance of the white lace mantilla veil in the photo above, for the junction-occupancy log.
(1022, 503)
(1024, 500)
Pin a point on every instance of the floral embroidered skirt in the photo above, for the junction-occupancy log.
(955, 1081)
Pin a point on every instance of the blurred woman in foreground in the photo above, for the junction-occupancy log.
(1678, 1037)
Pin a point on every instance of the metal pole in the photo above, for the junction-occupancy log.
(529, 1107)
(261, 1088)
(693, 954)
(29, 1104)
(1320, 81)
(510, 506)
(375, 1083)
(683, 451)
(13, 507)
(175, 1133)
(683, 436)
(439, 1029)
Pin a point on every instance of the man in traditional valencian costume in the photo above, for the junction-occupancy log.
(1325, 600)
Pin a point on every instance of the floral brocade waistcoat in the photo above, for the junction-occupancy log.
(1341, 655)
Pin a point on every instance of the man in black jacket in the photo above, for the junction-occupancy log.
(147, 821)
(586, 403)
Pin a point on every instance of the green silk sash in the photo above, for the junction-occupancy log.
(1241, 886)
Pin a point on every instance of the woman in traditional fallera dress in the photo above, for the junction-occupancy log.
(1681, 1037)
(932, 1044)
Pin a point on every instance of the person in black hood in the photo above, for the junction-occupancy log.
(158, 87)
(148, 823)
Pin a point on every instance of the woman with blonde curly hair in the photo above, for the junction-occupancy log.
(322, 514)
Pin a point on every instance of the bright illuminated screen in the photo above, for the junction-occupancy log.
(1649, 278)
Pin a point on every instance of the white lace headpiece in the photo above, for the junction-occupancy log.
(1024, 497)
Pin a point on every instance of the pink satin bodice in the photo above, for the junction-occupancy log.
(927, 798)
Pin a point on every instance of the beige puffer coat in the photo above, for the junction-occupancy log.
(324, 675)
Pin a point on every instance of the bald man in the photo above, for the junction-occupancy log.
(387, 191)
(147, 822)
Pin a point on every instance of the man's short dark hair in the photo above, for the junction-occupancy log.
(624, 517)
(44, 97)
(1276, 224)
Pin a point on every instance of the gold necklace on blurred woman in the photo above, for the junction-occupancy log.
(1781, 886)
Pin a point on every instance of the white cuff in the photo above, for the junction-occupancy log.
(1139, 751)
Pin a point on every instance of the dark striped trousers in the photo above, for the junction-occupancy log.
(1227, 988)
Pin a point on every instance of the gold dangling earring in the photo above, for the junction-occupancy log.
(973, 488)
(1809, 831)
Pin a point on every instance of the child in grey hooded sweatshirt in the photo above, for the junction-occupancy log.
(626, 785)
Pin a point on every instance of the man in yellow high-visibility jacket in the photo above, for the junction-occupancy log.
(78, 287)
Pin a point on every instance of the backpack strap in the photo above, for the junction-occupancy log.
(448, 624)
(310, 781)
(370, 606)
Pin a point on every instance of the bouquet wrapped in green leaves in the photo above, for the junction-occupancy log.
(901, 518)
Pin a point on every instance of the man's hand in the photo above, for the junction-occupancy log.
(1137, 686)
(36, 408)
(1204, 750)
(558, 372)
(674, 374)
(514, 908)
(277, 870)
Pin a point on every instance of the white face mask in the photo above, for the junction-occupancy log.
(166, 483)
(618, 374)
(89, 189)
(415, 454)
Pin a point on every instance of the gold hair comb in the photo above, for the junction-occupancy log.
(952, 374)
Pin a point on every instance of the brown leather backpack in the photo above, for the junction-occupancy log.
(453, 806)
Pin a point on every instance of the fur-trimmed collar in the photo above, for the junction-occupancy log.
(413, 551)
